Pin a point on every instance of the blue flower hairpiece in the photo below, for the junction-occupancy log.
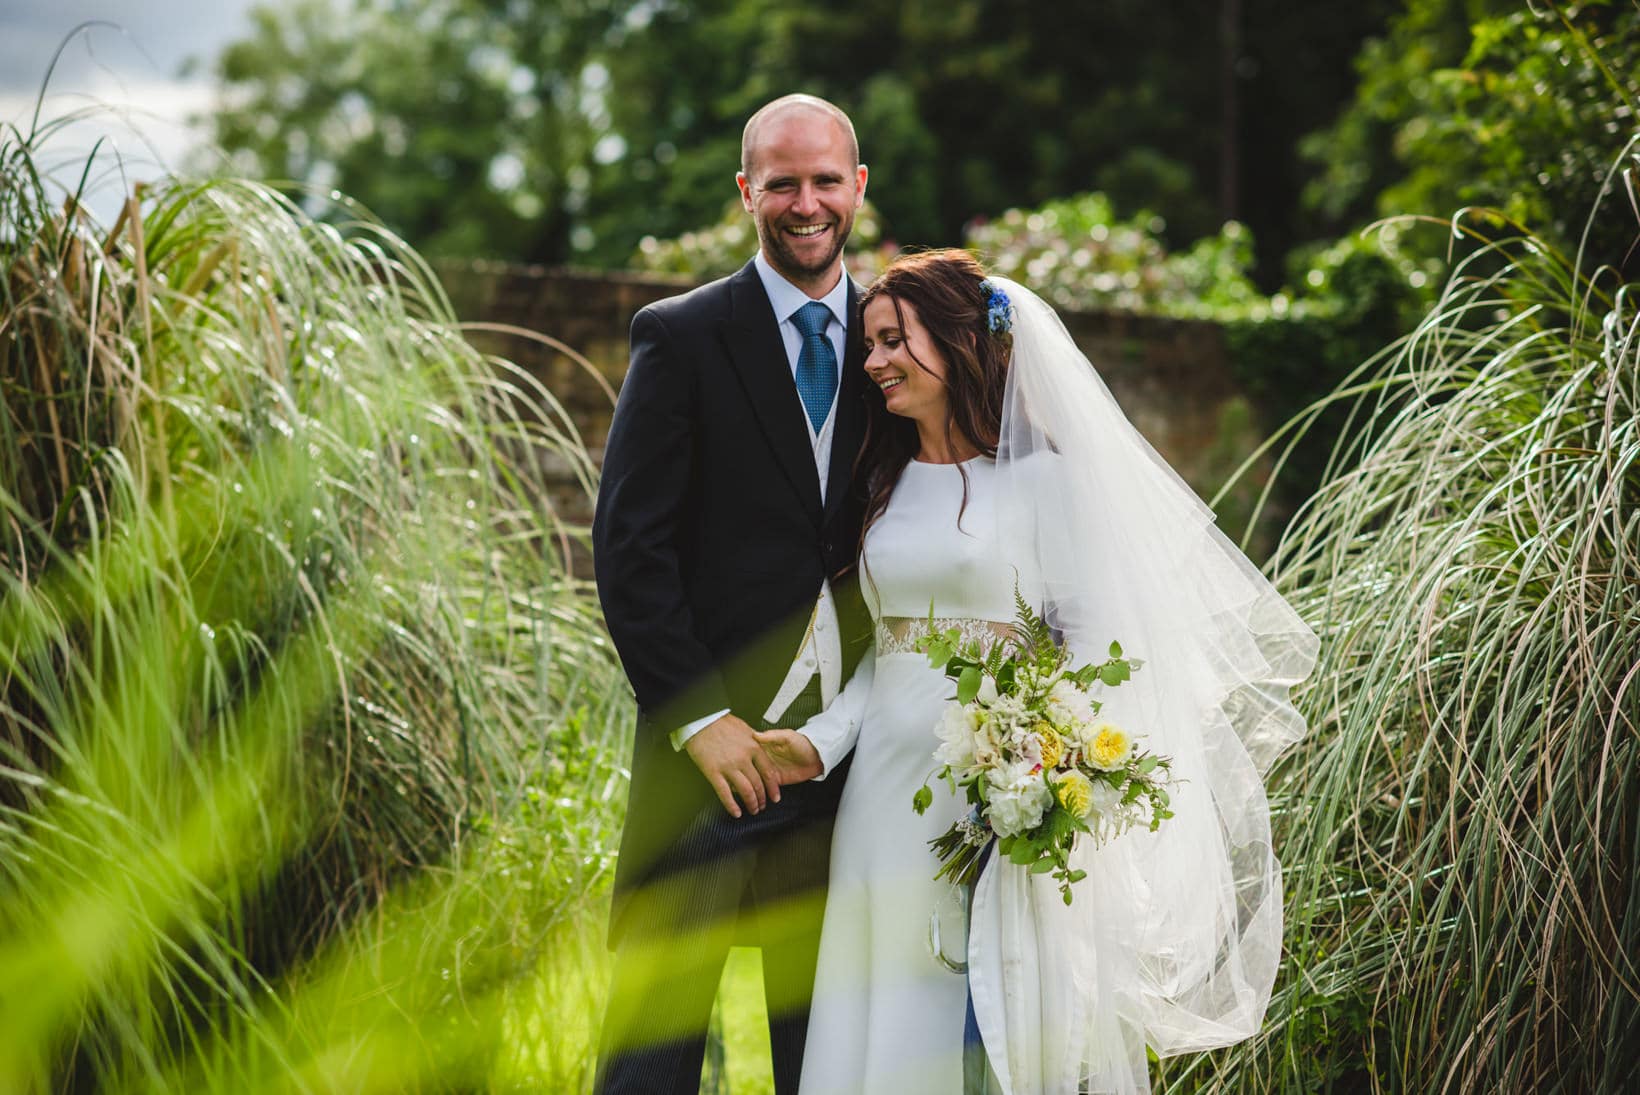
(999, 310)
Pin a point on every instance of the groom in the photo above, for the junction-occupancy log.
(726, 519)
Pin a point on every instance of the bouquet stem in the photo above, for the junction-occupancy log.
(960, 858)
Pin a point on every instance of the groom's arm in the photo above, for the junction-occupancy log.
(637, 527)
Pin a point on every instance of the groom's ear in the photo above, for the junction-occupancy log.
(745, 186)
(860, 173)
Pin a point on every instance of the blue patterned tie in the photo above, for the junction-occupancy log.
(816, 362)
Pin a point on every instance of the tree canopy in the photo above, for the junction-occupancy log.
(1490, 103)
(567, 131)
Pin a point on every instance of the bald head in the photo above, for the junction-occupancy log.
(793, 106)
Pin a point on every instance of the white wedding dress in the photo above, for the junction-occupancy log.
(1173, 939)
(887, 1017)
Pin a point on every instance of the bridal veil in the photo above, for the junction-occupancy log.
(1173, 938)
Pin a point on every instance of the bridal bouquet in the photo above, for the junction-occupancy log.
(1040, 768)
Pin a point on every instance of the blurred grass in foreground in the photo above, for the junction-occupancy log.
(308, 733)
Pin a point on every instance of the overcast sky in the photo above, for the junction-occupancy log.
(134, 66)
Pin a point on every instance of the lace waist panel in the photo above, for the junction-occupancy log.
(899, 634)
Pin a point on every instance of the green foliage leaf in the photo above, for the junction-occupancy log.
(939, 653)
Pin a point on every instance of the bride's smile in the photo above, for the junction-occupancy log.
(902, 361)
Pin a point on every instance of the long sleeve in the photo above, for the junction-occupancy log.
(835, 730)
(647, 472)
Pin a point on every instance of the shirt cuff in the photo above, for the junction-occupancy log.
(690, 729)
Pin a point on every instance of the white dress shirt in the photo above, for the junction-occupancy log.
(822, 649)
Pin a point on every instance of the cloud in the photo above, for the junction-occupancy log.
(139, 130)
(124, 79)
(134, 38)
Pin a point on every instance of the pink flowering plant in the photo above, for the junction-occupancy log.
(1024, 741)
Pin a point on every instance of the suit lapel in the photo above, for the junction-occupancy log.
(849, 429)
(752, 336)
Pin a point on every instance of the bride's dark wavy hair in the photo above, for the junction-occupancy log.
(943, 288)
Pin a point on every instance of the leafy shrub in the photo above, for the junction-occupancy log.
(1515, 107)
(1348, 302)
(726, 246)
(1077, 254)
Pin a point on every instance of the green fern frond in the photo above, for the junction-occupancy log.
(1033, 632)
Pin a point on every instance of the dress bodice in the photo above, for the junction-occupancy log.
(914, 563)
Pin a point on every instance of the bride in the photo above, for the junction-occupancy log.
(996, 459)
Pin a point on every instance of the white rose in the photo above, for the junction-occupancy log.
(1018, 799)
(956, 733)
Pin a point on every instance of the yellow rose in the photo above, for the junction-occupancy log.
(1075, 792)
(1109, 748)
(1053, 746)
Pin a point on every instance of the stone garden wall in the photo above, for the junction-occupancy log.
(1171, 376)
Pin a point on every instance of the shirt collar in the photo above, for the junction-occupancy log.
(786, 298)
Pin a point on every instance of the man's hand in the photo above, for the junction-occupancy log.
(794, 755)
(729, 755)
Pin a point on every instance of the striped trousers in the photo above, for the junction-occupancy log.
(758, 879)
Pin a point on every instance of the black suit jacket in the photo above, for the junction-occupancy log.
(710, 540)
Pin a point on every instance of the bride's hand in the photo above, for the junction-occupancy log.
(794, 756)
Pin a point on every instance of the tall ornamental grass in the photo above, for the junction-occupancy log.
(1462, 826)
(308, 729)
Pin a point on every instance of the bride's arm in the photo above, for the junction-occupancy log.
(827, 737)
